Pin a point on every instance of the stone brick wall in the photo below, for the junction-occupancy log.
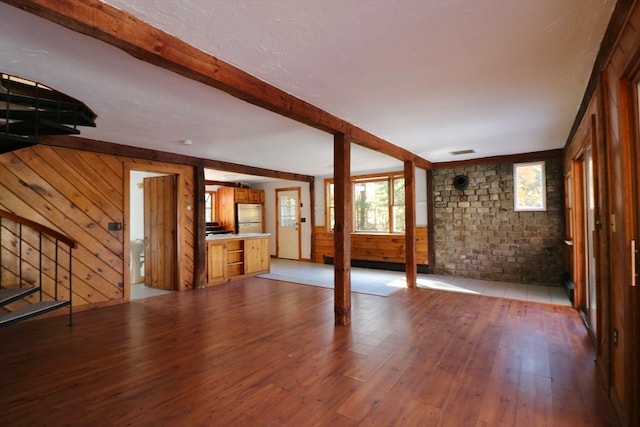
(479, 234)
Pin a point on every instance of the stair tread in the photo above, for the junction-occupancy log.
(31, 310)
(8, 295)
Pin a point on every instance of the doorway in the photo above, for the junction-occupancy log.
(153, 221)
(589, 239)
(288, 223)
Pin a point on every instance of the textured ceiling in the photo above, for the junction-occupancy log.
(496, 76)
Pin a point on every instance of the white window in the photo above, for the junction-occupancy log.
(530, 193)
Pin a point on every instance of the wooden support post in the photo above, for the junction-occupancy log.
(199, 229)
(431, 225)
(342, 228)
(312, 216)
(411, 266)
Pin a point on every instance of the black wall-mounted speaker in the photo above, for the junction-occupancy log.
(460, 182)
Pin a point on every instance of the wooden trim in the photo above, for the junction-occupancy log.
(411, 266)
(147, 43)
(39, 228)
(523, 157)
(180, 212)
(199, 230)
(343, 208)
(618, 19)
(579, 253)
(126, 225)
(222, 183)
(298, 190)
(431, 229)
(628, 128)
(312, 216)
(103, 147)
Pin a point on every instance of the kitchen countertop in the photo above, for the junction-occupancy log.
(237, 236)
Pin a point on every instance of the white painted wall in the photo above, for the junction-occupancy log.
(270, 216)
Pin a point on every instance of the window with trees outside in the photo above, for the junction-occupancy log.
(529, 186)
(378, 203)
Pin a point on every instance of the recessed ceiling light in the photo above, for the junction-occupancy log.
(461, 152)
(186, 142)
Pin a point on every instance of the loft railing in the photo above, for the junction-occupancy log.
(34, 259)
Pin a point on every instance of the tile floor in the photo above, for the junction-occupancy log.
(140, 291)
(383, 282)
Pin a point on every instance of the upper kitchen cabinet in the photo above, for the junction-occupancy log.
(242, 195)
(256, 196)
(229, 197)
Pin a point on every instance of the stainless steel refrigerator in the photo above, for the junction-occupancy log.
(248, 218)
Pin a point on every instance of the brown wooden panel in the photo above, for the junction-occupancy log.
(64, 170)
(226, 208)
(256, 255)
(42, 203)
(373, 247)
(160, 224)
(57, 188)
(216, 262)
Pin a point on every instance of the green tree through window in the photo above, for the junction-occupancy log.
(378, 203)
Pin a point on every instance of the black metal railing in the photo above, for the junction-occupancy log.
(33, 255)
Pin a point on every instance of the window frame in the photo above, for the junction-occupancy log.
(211, 211)
(390, 177)
(517, 206)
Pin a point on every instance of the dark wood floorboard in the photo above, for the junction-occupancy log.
(266, 353)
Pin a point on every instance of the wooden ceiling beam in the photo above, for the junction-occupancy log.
(147, 43)
(86, 144)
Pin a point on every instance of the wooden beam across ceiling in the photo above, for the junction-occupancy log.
(84, 144)
(147, 43)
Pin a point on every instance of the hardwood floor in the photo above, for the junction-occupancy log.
(259, 352)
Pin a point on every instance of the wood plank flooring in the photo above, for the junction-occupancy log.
(259, 352)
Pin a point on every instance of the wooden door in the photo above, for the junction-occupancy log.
(288, 228)
(160, 237)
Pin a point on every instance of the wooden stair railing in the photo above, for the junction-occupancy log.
(35, 263)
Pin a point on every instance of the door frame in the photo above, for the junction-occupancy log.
(299, 216)
(159, 169)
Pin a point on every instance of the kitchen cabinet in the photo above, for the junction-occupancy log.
(256, 196)
(257, 257)
(228, 197)
(237, 256)
(241, 195)
(216, 263)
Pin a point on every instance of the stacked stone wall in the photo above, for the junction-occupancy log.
(479, 234)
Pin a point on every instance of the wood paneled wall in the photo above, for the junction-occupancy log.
(372, 247)
(610, 125)
(79, 193)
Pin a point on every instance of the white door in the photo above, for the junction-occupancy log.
(288, 229)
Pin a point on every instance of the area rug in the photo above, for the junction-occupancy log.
(365, 281)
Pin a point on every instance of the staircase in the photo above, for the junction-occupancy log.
(35, 269)
(29, 109)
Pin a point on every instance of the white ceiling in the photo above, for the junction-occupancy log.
(496, 76)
